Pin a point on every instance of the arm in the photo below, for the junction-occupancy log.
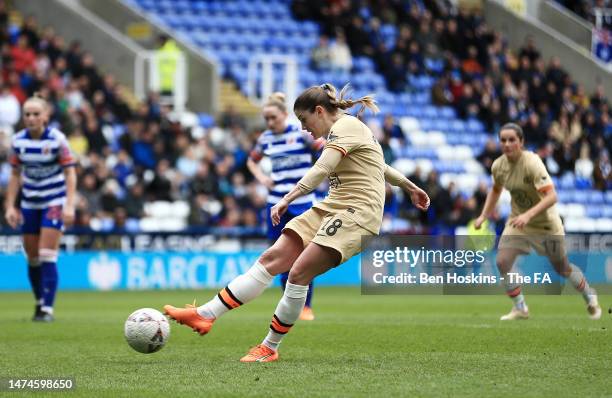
(490, 202)
(417, 195)
(68, 211)
(549, 199)
(326, 164)
(259, 175)
(12, 214)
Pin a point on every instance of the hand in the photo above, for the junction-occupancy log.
(277, 211)
(420, 199)
(68, 215)
(479, 221)
(267, 181)
(13, 217)
(520, 221)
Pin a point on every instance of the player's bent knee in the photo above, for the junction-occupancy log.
(299, 276)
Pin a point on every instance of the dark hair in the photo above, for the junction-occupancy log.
(514, 127)
(325, 96)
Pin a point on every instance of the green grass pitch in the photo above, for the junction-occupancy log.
(358, 346)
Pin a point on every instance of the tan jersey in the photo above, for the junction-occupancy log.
(357, 185)
(527, 180)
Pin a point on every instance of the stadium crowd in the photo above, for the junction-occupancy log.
(481, 76)
(132, 153)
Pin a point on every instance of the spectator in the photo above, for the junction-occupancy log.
(320, 56)
(10, 110)
(341, 59)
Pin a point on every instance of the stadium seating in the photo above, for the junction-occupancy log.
(233, 31)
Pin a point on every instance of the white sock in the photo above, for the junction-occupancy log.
(47, 309)
(576, 277)
(513, 290)
(241, 290)
(287, 312)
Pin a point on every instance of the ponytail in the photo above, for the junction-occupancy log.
(326, 96)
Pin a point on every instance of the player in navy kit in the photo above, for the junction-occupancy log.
(290, 151)
(42, 172)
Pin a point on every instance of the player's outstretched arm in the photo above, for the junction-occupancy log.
(492, 198)
(323, 166)
(419, 197)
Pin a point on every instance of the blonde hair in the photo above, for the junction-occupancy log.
(277, 99)
(39, 99)
(326, 96)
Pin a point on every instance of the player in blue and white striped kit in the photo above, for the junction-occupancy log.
(43, 169)
(290, 151)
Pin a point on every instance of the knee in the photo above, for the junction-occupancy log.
(562, 267)
(267, 258)
(299, 276)
(503, 264)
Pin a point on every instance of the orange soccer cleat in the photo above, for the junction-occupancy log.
(188, 316)
(307, 314)
(260, 353)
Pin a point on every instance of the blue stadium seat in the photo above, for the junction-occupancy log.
(567, 181)
(564, 196)
(580, 196)
(594, 211)
(596, 197)
(475, 125)
(205, 120)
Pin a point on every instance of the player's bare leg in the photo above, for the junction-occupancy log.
(244, 288)
(505, 259)
(314, 260)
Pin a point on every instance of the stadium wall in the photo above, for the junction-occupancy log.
(201, 97)
(563, 21)
(112, 51)
(576, 60)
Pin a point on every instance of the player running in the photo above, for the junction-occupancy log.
(290, 150)
(534, 221)
(323, 237)
(42, 166)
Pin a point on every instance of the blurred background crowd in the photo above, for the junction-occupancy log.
(135, 153)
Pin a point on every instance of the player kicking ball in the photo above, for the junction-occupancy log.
(324, 236)
(533, 223)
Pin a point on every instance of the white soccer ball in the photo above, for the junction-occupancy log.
(147, 330)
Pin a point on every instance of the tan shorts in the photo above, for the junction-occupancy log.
(334, 230)
(545, 242)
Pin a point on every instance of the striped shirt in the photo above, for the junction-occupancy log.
(291, 155)
(42, 162)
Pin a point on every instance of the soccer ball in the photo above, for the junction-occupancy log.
(147, 330)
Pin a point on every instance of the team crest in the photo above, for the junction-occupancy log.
(334, 180)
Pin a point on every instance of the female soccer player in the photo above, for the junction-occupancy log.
(534, 221)
(42, 166)
(290, 150)
(326, 235)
